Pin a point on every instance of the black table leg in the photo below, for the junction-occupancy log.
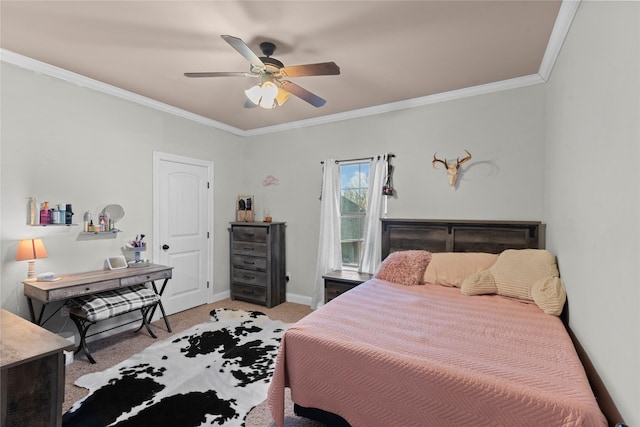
(153, 310)
(32, 313)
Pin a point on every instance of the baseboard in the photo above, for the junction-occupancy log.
(299, 299)
(295, 298)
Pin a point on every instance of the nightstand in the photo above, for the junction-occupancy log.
(339, 281)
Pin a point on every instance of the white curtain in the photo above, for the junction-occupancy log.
(372, 245)
(329, 248)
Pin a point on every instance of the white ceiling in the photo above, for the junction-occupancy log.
(392, 54)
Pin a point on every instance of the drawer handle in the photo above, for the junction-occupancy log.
(246, 276)
(249, 262)
(248, 249)
(247, 292)
(87, 289)
(249, 235)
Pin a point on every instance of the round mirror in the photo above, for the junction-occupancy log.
(115, 212)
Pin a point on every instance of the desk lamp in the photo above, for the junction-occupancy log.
(30, 250)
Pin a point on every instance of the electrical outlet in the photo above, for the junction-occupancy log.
(64, 311)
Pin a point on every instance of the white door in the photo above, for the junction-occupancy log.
(182, 220)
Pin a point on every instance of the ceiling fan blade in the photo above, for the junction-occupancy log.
(320, 69)
(302, 93)
(244, 50)
(221, 74)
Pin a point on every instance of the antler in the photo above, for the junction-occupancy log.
(459, 162)
(436, 160)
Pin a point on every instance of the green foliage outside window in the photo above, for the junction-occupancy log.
(354, 185)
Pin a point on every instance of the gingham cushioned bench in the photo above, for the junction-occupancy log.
(90, 309)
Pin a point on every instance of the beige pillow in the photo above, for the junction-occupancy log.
(451, 268)
(526, 274)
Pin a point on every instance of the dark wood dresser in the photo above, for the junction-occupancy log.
(32, 380)
(258, 267)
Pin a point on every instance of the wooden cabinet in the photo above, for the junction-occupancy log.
(32, 380)
(337, 282)
(258, 268)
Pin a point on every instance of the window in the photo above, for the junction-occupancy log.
(354, 185)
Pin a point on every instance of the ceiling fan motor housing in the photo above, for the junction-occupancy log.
(273, 65)
(267, 48)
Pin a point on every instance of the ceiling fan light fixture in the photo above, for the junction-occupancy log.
(282, 96)
(269, 93)
(254, 94)
(265, 95)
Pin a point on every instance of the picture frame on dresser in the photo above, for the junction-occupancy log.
(245, 208)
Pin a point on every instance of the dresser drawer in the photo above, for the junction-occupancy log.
(144, 278)
(91, 288)
(249, 262)
(250, 248)
(256, 278)
(254, 293)
(333, 289)
(250, 234)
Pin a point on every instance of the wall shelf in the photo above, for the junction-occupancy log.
(54, 225)
(90, 233)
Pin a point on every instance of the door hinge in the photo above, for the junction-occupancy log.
(207, 234)
(207, 284)
(208, 185)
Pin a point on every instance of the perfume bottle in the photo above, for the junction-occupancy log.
(45, 214)
(55, 215)
(63, 213)
(87, 220)
(68, 214)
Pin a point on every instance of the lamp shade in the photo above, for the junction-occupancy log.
(30, 249)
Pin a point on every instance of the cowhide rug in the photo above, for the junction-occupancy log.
(211, 374)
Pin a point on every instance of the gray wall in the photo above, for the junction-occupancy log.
(68, 144)
(593, 189)
(503, 131)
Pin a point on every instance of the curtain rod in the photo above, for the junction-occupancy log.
(362, 158)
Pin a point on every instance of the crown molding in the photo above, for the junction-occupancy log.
(561, 27)
(567, 12)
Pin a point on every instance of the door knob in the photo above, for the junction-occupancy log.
(165, 247)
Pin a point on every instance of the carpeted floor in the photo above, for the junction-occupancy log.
(116, 348)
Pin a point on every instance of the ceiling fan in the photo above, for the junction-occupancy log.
(273, 91)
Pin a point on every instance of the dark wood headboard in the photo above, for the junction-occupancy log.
(437, 235)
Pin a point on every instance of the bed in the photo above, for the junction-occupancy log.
(388, 353)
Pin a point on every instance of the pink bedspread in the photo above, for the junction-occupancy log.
(384, 354)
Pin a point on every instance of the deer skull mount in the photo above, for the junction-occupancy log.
(452, 168)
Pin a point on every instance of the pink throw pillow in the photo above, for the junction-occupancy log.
(404, 267)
